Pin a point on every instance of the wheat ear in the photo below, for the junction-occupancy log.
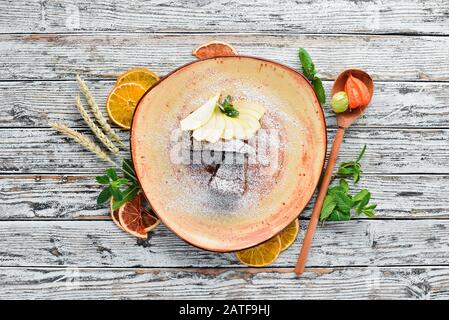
(95, 129)
(82, 140)
(97, 113)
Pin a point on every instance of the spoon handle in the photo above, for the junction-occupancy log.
(302, 259)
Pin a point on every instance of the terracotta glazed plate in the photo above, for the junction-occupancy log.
(275, 194)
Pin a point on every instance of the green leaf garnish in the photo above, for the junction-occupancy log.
(128, 195)
(102, 179)
(338, 203)
(104, 195)
(319, 90)
(112, 174)
(329, 205)
(308, 68)
(227, 107)
(352, 168)
(115, 184)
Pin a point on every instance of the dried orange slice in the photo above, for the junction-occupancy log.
(130, 217)
(122, 102)
(289, 234)
(114, 215)
(133, 218)
(261, 255)
(214, 49)
(145, 77)
(149, 221)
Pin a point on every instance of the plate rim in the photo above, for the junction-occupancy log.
(228, 57)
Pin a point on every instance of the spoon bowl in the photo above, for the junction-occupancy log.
(345, 119)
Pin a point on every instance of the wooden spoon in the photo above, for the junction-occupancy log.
(344, 120)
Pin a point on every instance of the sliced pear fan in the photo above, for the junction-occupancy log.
(210, 124)
(200, 116)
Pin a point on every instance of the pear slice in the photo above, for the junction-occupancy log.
(200, 116)
(239, 129)
(228, 132)
(252, 105)
(203, 132)
(215, 133)
(250, 112)
(252, 124)
(247, 129)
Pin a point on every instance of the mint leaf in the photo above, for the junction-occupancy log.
(112, 174)
(344, 185)
(104, 195)
(329, 205)
(227, 107)
(361, 195)
(361, 199)
(338, 215)
(344, 202)
(121, 181)
(308, 68)
(102, 179)
(335, 189)
(116, 193)
(128, 195)
(319, 90)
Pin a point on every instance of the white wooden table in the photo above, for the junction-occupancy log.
(56, 243)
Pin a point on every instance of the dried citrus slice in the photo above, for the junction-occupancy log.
(214, 49)
(122, 101)
(149, 221)
(145, 77)
(114, 215)
(289, 234)
(261, 255)
(130, 217)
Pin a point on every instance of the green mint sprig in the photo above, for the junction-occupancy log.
(227, 107)
(339, 204)
(121, 189)
(352, 168)
(308, 68)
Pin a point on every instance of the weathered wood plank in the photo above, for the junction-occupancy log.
(73, 197)
(99, 56)
(398, 104)
(50, 197)
(316, 283)
(343, 16)
(390, 151)
(101, 244)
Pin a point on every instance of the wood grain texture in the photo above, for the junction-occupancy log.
(228, 284)
(392, 151)
(340, 16)
(101, 244)
(73, 197)
(398, 104)
(52, 57)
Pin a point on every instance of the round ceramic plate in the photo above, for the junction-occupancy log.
(278, 183)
